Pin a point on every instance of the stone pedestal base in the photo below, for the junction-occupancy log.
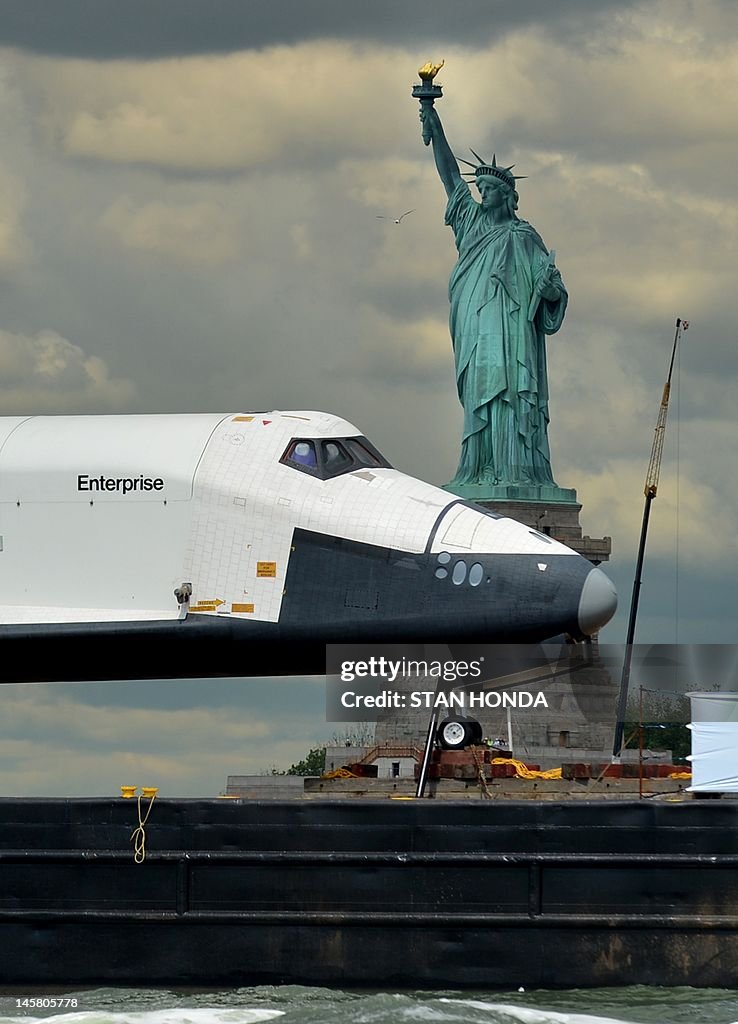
(556, 519)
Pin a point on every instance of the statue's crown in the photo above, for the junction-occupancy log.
(485, 167)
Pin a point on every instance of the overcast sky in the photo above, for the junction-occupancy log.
(190, 201)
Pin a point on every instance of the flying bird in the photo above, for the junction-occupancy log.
(396, 219)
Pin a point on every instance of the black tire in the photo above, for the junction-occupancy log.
(457, 732)
(475, 732)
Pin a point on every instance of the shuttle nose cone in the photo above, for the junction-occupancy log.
(597, 603)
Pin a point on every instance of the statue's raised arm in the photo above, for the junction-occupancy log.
(446, 164)
(427, 92)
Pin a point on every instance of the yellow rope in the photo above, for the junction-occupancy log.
(138, 836)
(524, 772)
(339, 773)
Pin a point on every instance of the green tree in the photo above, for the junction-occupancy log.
(361, 734)
(664, 723)
(661, 736)
(312, 764)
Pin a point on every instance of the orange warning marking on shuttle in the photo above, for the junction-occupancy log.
(207, 606)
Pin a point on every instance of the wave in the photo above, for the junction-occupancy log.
(525, 1015)
(176, 1015)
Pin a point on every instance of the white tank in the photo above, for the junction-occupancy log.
(714, 729)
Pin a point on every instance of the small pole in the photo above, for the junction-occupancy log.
(430, 740)
(427, 751)
(640, 743)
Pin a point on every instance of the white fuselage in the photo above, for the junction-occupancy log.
(102, 517)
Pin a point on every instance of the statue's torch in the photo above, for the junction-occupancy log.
(427, 92)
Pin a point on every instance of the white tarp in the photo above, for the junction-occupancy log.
(714, 728)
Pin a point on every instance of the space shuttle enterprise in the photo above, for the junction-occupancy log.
(143, 546)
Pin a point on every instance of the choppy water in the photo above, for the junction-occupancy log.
(292, 1004)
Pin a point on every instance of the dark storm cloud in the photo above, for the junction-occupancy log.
(160, 28)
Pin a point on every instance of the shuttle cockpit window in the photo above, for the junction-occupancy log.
(333, 456)
(303, 456)
(336, 459)
(365, 453)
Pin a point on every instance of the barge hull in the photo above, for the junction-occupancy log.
(379, 893)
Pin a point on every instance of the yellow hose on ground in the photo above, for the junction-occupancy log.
(524, 772)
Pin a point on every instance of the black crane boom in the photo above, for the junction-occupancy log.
(650, 489)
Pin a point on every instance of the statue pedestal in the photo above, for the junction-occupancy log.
(549, 514)
(482, 493)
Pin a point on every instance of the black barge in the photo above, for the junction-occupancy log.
(399, 893)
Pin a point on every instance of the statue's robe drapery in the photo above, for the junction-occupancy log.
(498, 323)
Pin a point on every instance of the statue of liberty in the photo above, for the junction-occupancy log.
(506, 295)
